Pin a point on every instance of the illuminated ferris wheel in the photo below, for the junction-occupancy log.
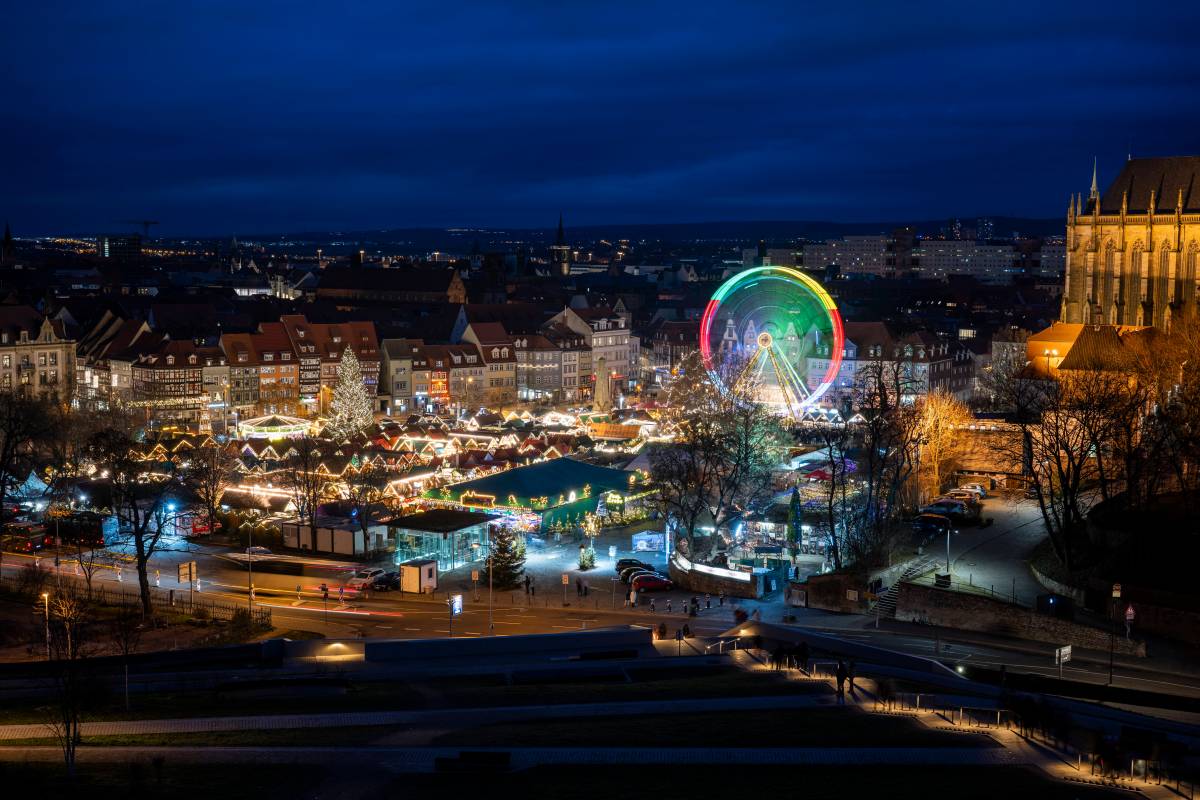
(777, 330)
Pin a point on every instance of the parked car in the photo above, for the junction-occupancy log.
(258, 551)
(1031, 493)
(979, 487)
(651, 582)
(970, 498)
(632, 572)
(973, 490)
(386, 582)
(956, 510)
(625, 563)
(364, 577)
(931, 524)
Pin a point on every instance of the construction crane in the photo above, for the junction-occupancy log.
(145, 223)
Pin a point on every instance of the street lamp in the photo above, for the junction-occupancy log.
(46, 609)
(1047, 353)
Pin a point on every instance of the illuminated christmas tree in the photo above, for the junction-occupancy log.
(351, 409)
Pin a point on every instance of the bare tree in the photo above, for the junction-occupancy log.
(886, 443)
(70, 647)
(726, 445)
(144, 497)
(125, 633)
(939, 428)
(23, 422)
(305, 477)
(209, 472)
(364, 487)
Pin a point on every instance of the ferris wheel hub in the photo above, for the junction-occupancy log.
(765, 340)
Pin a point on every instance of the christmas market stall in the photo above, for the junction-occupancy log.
(536, 497)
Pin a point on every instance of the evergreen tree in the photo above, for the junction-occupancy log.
(508, 559)
(351, 409)
(795, 516)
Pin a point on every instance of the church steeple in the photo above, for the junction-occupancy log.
(560, 251)
(1095, 193)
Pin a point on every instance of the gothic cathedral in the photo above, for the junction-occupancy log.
(1133, 253)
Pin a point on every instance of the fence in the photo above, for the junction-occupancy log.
(181, 600)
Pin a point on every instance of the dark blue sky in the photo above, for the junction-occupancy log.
(220, 117)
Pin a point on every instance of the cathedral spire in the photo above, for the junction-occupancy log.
(1095, 194)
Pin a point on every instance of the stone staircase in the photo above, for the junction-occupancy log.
(885, 606)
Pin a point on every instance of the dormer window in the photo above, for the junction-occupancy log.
(300, 332)
(191, 359)
(504, 352)
(268, 356)
(242, 358)
(170, 359)
(495, 352)
(337, 339)
(286, 356)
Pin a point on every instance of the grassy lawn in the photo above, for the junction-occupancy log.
(809, 727)
(401, 695)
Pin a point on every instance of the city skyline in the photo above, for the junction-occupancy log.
(257, 120)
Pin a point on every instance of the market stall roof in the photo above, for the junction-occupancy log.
(547, 479)
(441, 520)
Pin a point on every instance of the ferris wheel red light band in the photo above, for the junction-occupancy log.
(838, 332)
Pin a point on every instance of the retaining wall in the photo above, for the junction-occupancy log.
(972, 612)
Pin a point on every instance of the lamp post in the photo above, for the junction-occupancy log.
(46, 610)
(1047, 353)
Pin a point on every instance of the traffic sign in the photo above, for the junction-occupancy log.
(475, 575)
(1130, 614)
(456, 605)
(1116, 591)
(1062, 654)
(566, 579)
(187, 571)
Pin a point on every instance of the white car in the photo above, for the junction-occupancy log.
(975, 487)
(364, 577)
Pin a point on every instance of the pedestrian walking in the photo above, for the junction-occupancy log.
(341, 595)
(850, 675)
(668, 605)
(526, 584)
(721, 598)
(840, 674)
(707, 601)
(298, 598)
(651, 605)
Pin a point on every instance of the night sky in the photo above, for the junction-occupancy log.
(244, 117)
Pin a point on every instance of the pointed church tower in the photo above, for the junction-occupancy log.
(560, 251)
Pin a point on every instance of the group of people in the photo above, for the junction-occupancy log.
(690, 607)
(790, 657)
